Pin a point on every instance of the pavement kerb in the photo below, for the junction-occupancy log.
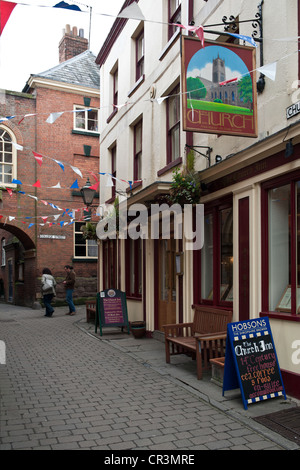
(286, 444)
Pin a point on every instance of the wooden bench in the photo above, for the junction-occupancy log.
(203, 339)
(90, 310)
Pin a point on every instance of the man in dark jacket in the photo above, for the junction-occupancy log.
(69, 283)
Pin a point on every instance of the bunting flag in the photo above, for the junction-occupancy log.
(196, 29)
(269, 70)
(6, 9)
(38, 158)
(75, 185)
(37, 184)
(133, 11)
(53, 116)
(244, 38)
(67, 6)
(60, 164)
(76, 170)
(95, 186)
(57, 186)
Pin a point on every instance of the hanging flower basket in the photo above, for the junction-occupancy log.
(185, 187)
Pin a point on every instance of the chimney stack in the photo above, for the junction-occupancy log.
(72, 44)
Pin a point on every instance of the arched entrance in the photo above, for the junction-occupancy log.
(18, 266)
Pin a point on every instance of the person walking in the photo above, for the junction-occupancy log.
(48, 285)
(69, 283)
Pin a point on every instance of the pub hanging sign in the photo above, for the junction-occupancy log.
(219, 88)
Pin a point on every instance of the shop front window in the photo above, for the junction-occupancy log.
(217, 257)
(281, 247)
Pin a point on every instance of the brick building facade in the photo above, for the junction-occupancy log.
(47, 164)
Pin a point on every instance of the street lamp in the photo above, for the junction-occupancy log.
(87, 193)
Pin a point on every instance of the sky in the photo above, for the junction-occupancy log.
(29, 41)
(201, 63)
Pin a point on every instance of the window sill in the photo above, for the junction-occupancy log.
(134, 297)
(112, 115)
(280, 316)
(88, 133)
(169, 166)
(84, 260)
(136, 85)
(170, 43)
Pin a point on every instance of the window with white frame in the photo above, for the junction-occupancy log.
(7, 157)
(85, 119)
(83, 248)
(173, 125)
(138, 150)
(140, 55)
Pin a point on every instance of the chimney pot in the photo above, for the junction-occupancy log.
(71, 43)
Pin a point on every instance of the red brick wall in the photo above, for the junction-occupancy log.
(56, 141)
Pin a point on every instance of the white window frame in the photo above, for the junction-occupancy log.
(88, 243)
(13, 164)
(86, 109)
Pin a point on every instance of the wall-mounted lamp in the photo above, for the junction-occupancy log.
(289, 149)
(218, 158)
(87, 193)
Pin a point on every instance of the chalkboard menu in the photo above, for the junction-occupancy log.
(111, 309)
(251, 361)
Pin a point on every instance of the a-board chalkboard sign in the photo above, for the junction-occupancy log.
(111, 309)
(251, 361)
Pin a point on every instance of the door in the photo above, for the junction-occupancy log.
(10, 281)
(166, 282)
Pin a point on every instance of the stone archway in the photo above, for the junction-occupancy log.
(19, 273)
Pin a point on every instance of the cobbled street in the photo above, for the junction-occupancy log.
(61, 388)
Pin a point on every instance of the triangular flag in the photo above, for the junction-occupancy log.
(5, 11)
(160, 100)
(10, 218)
(76, 170)
(244, 38)
(52, 117)
(95, 186)
(67, 6)
(17, 146)
(60, 164)
(16, 181)
(74, 185)
(30, 225)
(44, 218)
(38, 158)
(57, 186)
(9, 191)
(133, 12)
(37, 184)
(269, 70)
(197, 29)
(109, 181)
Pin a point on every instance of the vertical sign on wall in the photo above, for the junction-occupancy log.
(251, 361)
(219, 88)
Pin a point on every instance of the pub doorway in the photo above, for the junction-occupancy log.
(167, 295)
